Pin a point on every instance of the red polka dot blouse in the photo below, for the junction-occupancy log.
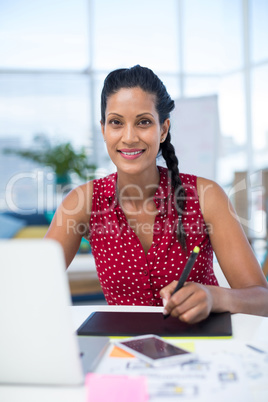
(127, 275)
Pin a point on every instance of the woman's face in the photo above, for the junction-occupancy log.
(132, 130)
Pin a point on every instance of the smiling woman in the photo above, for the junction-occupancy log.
(134, 132)
(144, 220)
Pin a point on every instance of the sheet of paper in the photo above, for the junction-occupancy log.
(116, 388)
(260, 340)
(254, 362)
(216, 375)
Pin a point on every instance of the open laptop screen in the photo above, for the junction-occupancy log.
(38, 344)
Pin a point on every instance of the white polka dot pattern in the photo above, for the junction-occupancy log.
(127, 275)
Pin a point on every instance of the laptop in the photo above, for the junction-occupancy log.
(38, 343)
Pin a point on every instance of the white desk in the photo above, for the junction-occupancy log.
(246, 328)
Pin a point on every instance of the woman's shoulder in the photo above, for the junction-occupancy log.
(198, 182)
(78, 202)
(80, 191)
(212, 197)
(208, 186)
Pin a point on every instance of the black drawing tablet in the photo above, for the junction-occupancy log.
(111, 323)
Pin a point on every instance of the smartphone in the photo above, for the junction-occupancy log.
(155, 351)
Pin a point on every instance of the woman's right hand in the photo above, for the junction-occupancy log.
(191, 304)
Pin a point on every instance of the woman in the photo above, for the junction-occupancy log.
(144, 221)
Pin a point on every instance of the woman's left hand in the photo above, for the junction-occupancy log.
(192, 303)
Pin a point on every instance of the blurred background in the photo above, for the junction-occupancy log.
(55, 54)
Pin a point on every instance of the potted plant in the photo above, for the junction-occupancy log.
(61, 157)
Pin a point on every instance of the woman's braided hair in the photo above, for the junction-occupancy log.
(148, 81)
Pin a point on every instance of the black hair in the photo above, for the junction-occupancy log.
(148, 81)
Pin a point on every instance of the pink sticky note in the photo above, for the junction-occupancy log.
(116, 388)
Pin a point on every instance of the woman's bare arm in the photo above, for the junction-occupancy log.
(249, 289)
(71, 220)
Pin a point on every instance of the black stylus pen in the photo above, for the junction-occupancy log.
(185, 273)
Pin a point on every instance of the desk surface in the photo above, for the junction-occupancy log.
(246, 328)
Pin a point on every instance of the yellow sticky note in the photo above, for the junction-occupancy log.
(189, 346)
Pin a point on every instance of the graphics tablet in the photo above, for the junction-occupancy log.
(111, 323)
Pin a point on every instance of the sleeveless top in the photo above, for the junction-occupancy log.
(127, 275)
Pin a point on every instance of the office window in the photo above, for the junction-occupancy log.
(260, 116)
(211, 35)
(259, 29)
(232, 108)
(232, 113)
(55, 54)
(44, 34)
(57, 106)
(201, 86)
(135, 32)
